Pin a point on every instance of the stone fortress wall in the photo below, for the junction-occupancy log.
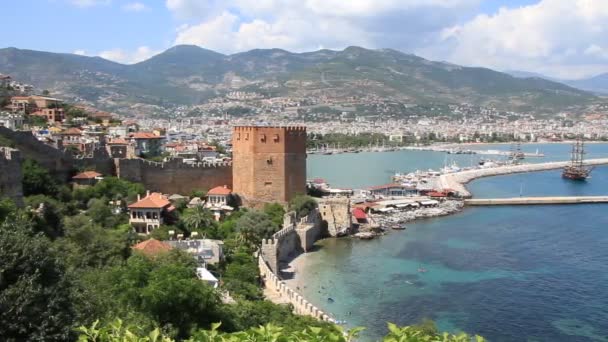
(169, 177)
(336, 215)
(297, 236)
(174, 176)
(10, 175)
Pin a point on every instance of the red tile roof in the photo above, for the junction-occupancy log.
(359, 214)
(118, 141)
(87, 175)
(152, 247)
(72, 131)
(145, 135)
(220, 190)
(154, 200)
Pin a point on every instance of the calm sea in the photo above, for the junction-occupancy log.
(516, 273)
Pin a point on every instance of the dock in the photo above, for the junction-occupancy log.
(536, 200)
(457, 180)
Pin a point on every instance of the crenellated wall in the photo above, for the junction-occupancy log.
(10, 175)
(300, 305)
(297, 236)
(174, 176)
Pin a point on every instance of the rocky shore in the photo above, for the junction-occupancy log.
(443, 209)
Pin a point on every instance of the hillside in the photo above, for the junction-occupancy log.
(597, 83)
(190, 75)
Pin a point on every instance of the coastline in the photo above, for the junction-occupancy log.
(456, 181)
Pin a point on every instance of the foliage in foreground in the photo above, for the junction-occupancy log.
(117, 331)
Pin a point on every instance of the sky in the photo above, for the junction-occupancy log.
(560, 38)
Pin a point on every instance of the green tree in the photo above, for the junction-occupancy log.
(45, 92)
(35, 302)
(254, 226)
(47, 214)
(197, 219)
(37, 180)
(166, 289)
(276, 212)
(302, 205)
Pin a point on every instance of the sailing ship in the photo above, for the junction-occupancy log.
(577, 170)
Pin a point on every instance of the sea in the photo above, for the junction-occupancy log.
(509, 273)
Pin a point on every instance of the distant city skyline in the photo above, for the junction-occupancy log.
(559, 38)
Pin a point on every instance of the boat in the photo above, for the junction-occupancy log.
(422, 270)
(398, 227)
(577, 170)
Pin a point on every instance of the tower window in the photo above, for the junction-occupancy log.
(263, 138)
(276, 138)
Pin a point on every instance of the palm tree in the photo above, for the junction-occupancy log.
(197, 218)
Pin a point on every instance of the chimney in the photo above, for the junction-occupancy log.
(138, 197)
(147, 193)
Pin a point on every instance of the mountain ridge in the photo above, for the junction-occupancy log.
(188, 74)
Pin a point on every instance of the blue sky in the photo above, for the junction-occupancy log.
(564, 38)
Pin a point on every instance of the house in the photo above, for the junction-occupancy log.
(147, 144)
(86, 178)
(152, 247)
(150, 212)
(11, 121)
(52, 115)
(219, 196)
(45, 101)
(21, 104)
(205, 251)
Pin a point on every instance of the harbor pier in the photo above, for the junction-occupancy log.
(536, 200)
(457, 180)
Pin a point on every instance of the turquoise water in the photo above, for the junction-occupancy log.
(517, 273)
(354, 170)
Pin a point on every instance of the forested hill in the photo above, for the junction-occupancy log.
(190, 75)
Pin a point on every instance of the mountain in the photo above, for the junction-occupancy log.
(187, 74)
(530, 74)
(597, 83)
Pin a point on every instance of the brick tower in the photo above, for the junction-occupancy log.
(269, 163)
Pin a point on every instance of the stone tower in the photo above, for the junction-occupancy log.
(269, 163)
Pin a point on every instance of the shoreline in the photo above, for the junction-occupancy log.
(456, 181)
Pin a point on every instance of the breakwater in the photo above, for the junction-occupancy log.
(538, 200)
(457, 180)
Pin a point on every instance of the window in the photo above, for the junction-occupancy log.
(275, 138)
(246, 136)
(134, 214)
(148, 216)
(263, 138)
(238, 136)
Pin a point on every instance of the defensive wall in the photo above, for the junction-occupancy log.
(174, 176)
(297, 236)
(60, 163)
(300, 305)
(10, 175)
(335, 215)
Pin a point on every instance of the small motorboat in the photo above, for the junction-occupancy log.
(399, 227)
(422, 270)
(330, 300)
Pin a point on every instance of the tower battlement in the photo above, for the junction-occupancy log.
(269, 162)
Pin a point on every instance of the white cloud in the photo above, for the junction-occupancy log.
(563, 38)
(80, 52)
(134, 7)
(128, 57)
(89, 3)
(299, 25)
